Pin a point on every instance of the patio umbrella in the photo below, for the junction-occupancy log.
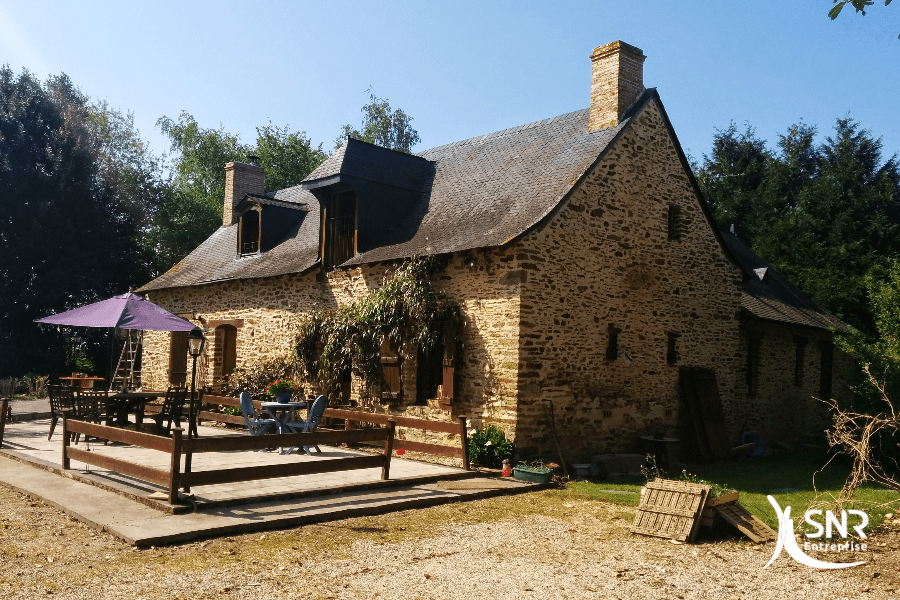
(126, 311)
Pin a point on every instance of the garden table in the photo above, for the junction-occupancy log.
(281, 412)
(122, 403)
(82, 382)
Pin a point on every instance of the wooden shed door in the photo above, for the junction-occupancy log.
(700, 392)
(390, 372)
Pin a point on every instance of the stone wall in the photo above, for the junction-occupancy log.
(605, 260)
(782, 405)
(265, 312)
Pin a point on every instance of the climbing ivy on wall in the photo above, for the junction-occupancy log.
(405, 310)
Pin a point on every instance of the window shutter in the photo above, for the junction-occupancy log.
(390, 372)
(449, 370)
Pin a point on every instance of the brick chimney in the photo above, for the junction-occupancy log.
(240, 179)
(617, 79)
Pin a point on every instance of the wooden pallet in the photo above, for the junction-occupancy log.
(670, 509)
(746, 523)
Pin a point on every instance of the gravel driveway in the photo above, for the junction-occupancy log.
(553, 547)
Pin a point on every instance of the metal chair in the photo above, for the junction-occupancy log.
(92, 406)
(172, 410)
(255, 425)
(316, 412)
(61, 398)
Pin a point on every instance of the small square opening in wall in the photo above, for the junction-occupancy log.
(671, 348)
(612, 348)
(674, 222)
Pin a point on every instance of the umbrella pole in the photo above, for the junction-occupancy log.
(112, 353)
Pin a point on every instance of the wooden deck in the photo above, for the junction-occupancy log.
(27, 441)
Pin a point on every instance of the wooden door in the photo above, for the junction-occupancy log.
(229, 350)
(178, 347)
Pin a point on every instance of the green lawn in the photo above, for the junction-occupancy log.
(797, 479)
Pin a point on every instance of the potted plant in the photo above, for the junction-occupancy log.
(538, 474)
(282, 389)
(488, 447)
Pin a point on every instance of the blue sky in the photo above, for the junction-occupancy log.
(462, 69)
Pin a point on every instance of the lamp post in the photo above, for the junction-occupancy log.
(196, 342)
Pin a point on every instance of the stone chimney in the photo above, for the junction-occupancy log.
(617, 79)
(240, 179)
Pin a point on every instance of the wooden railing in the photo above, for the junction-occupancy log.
(461, 452)
(178, 446)
(350, 416)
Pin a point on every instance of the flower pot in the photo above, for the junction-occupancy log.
(531, 475)
(283, 397)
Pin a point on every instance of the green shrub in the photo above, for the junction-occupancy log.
(489, 446)
(254, 379)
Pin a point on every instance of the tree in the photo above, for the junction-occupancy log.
(868, 428)
(822, 215)
(201, 157)
(286, 157)
(76, 187)
(731, 178)
(192, 208)
(859, 5)
(382, 127)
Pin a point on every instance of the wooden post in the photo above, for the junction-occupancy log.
(175, 468)
(388, 449)
(4, 408)
(188, 459)
(65, 445)
(464, 440)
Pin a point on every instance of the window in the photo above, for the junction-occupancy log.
(339, 229)
(249, 233)
(752, 365)
(345, 383)
(799, 358)
(826, 364)
(612, 348)
(429, 373)
(178, 347)
(674, 228)
(671, 351)
(436, 369)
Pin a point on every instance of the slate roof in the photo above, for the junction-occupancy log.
(768, 295)
(362, 160)
(475, 193)
(216, 259)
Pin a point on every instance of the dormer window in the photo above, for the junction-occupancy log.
(249, 232)
(339, 229)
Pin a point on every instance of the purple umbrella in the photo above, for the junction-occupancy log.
(127, 311)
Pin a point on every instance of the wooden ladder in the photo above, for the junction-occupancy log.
(126, 375)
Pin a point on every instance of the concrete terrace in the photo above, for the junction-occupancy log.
(137, 512)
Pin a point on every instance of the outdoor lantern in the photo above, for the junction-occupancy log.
(196, 341)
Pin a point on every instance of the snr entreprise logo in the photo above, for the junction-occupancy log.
(787, 541)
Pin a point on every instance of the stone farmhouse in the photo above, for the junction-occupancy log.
(586, 264)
